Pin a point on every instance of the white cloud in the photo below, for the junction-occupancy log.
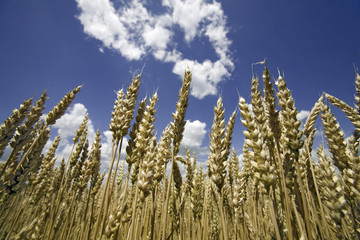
(303, 114)
(66, 127)
(68, 124)
(241, 160)
(314, 155)
(189, 14)
(205, 75)
(102, 21)
(194, 133)
(193, 137)
(156, 37)
(106, 147)
(134, 32)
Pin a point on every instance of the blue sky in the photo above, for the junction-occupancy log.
(58, 45)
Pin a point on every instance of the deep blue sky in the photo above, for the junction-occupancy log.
(314, 42)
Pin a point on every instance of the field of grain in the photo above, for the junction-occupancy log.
(280, 192)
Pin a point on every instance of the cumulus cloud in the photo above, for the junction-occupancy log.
(106, 147)
(303, 114)
(205, 75)
(68, 124)
(134, 31)
(193, 137)
(66, 128)
(194, 133)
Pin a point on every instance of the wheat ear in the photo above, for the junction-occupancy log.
(177, 126)
(8, 128)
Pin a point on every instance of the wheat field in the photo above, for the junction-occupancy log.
(280, 192)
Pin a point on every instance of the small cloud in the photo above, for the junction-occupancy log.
(106, 148)
(194, 133)
(101, 49)
(66, 127)
(205, 76)
(193, 137)
(68, 124)
(106, 145)
(241, 160)
(303, 114)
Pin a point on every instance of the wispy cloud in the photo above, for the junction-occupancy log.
(134, 31)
